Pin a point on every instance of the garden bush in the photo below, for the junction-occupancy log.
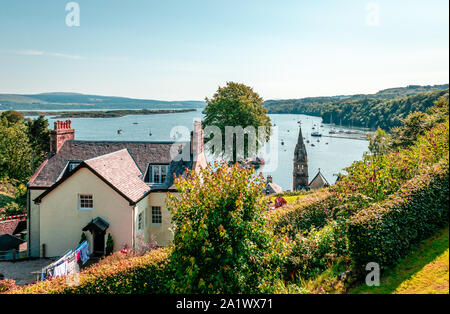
(384, 232)
(222, 243)
(313, 211)
(116, 274)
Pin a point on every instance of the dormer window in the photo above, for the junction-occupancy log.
(156, 174)
(73, 165)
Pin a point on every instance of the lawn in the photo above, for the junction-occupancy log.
(424, 271)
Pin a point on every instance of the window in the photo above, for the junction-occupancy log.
(73, 165)
(85, 202)
(156, 215)
(157, 173)
(141, 221)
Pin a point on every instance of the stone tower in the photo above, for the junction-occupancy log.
(300, 164)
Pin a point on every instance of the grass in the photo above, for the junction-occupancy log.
(424, 271)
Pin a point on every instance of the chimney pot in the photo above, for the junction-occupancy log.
(61, 133)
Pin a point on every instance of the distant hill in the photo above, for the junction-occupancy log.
(67, 101)
(383, 109)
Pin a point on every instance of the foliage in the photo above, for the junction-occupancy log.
(384, 232)
(312, 211)
(378, 176)
(109, 244)
(236, 105)
(39, 137)
(6, 285)
(221, 241)
(15, 151)
(423, 270)
(116, 274)
(384, 110)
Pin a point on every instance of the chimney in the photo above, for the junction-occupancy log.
(197, 139)
(61, 133)
(197, 149)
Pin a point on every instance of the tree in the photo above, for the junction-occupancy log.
(222, 243)
(15, 151)
(39, 136)
(237, 105)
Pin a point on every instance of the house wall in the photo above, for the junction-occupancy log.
(61, 222)
(33, 226)
(163, 235)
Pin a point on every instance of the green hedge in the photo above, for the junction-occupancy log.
(117, 274)
(384, 232)
(313, 212)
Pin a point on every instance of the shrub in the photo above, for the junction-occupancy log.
(313, 211)
(319, 250)
(6, 285)
(116, 274)
(384, 232)
(221, 240)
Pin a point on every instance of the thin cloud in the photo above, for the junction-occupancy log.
(49, 54)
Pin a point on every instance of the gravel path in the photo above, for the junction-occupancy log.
(21, 271)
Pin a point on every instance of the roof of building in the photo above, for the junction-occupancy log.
(121, 171)
(319, 179)
(9, 242)
(274, 187)
(8, 226)
(97, 224)
(143, 153)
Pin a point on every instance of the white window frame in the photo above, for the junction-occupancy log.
(153, 215)
(79, 201)
(159, 169)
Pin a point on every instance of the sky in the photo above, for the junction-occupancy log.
(185, 49)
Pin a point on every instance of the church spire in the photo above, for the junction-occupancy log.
(300, 164)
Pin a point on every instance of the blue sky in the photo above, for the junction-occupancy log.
(185, 49)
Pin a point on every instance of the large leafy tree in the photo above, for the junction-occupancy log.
(237, 105)
(222, 243)
(15, 150)
(39, 137)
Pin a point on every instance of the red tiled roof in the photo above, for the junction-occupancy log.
(121, 171)
(8, 226)
(142, 152)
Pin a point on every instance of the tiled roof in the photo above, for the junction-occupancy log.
(275, 188)
(120, 170)
(8, 226)
(143, 153)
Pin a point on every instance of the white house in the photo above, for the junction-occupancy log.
(105, 187)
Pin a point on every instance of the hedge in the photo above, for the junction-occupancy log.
(115, 275)
(313, 211)
(384, 232)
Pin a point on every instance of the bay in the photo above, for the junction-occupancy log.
(331, 158)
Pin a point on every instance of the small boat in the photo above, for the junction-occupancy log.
(313, 145)
(282, 143)
(135, 123)
(119, 131)
(318, 141)
(332, 132)
(326, 143)
(316, 134)
(307, 141)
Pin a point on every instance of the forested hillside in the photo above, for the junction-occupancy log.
(384, 109)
